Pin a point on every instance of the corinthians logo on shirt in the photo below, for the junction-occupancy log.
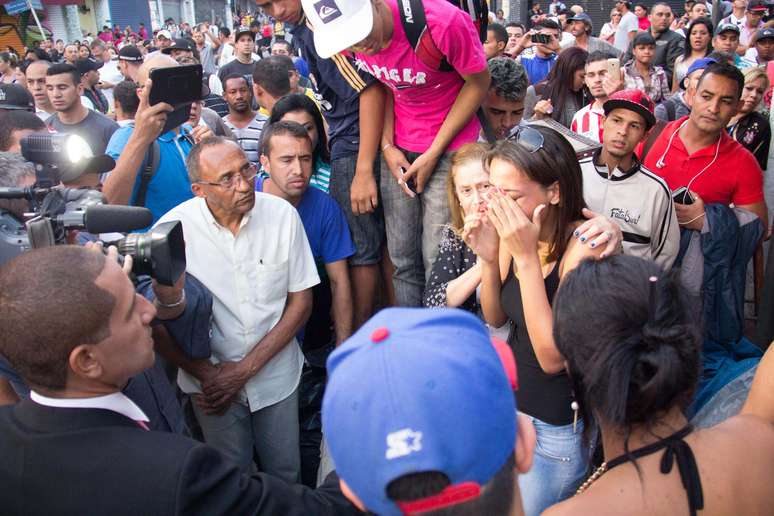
(625, 215)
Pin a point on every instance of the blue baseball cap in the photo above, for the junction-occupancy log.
(418, 390)
(699, 64)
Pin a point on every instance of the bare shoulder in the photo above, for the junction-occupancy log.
(746, 431)
(599, 501)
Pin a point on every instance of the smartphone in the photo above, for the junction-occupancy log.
(411, 183)
(545, 39)
(614, 67)
(682, 196)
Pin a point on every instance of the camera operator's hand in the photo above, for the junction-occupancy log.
(200, 132)
(149, 120)
(395, 159)
(421, 170)
(170, 301)
(112, 254)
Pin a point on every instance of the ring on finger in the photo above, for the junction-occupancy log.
(609, 235)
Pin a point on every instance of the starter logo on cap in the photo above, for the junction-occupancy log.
(402, 443)
(327, 10)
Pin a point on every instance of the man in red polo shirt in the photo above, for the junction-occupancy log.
(697, 153)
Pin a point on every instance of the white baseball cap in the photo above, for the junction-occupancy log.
(338, 24)
(164, 34)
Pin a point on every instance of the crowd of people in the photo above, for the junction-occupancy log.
(435, 263)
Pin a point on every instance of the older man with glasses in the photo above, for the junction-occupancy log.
(250, 250)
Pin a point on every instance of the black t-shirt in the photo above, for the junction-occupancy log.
(236, 67)
(96, 129)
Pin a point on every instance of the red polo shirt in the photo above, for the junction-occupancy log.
(735, 177)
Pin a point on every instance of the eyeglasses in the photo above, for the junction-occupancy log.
(531, 139)
(248, 174)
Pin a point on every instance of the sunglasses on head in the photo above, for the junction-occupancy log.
(531, 139)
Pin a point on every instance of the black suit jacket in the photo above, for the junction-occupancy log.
(68, 461)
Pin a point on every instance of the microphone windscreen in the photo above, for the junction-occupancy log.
(105, 218)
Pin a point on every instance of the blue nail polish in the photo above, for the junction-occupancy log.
(582, 239)
(577, 233)
(592, 245)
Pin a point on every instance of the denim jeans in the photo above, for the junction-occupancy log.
(414, 228)
(367, 229)
(272, 432)
(559, 467)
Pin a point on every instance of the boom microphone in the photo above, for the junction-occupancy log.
(104, 218)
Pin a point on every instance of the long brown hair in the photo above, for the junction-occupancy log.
(555, 162)
(465, 154)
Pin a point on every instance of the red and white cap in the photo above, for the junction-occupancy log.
(633, 100)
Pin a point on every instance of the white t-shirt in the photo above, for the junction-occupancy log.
(249, 276)
(226, 54)
(110, 73)
(629, 23)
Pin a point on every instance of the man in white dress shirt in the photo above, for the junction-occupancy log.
(250, 250)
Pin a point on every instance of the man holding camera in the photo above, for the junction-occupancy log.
(78, 423)
(168, 184)
(250, 250)
(544, 37)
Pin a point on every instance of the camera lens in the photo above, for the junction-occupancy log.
(160, 253)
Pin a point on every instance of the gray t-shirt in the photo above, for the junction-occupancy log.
(96, 129)
(629, 23)
(207, 58)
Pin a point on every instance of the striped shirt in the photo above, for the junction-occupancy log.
(249, 137)
(588, 122)
(640, 202)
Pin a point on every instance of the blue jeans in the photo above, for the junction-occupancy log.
(560, 466)
(414, 228)
(272, 432)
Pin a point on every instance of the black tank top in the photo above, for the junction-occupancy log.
(540, 395)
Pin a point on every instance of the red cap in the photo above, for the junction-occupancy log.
(633, 100)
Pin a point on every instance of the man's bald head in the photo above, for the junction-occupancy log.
(159, 61)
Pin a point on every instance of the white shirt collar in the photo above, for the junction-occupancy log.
(116, 402)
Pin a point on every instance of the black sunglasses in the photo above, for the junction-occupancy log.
(531, 139)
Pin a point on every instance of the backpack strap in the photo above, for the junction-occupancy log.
(486, 126)
(414, 24)
(147, 170)
(652, 137)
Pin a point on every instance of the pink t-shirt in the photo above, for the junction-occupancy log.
(424, 96)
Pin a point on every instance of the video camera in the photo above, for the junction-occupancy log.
(53, 210)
